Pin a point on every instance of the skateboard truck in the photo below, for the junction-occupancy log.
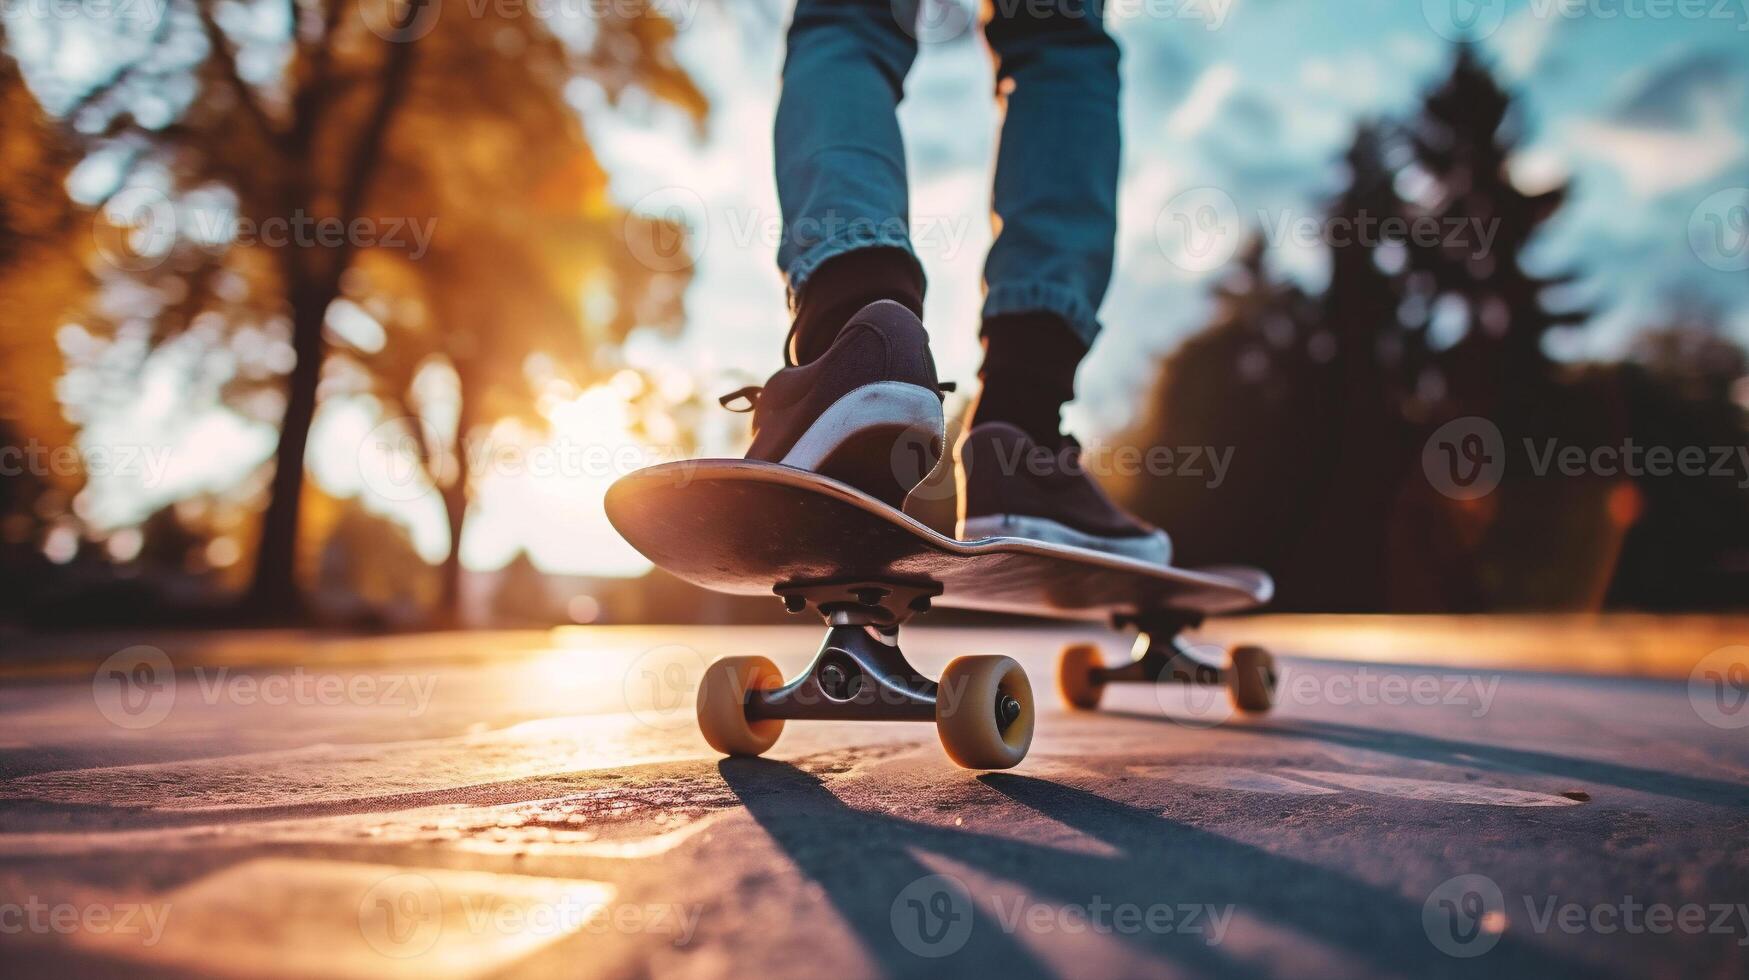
(859, 672)
(982, 706)
(1249, 674)
(859, 602)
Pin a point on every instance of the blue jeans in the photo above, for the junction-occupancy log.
(841, 162)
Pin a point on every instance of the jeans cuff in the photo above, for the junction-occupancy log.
(848, 240)
(1044, 297)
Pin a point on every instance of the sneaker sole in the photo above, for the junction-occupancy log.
(882, 438)
(1155, 548)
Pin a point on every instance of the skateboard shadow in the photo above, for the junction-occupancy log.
(1453, 752)
(864, 861)
(1374, 927)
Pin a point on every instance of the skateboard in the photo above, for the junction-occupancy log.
(751, 528)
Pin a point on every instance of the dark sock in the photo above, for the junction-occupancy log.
(844, 284)
(1028, 373)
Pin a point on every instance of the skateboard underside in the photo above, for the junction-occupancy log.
(746, 527)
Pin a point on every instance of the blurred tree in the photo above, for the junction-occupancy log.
(376, 121)
(1253, 385)
(41, 280)
(1328, 402)
(1685, 385)
(1488, 312)
(368, 572)
(1374, 337)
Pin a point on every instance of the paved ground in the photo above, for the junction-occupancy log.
(540, 804)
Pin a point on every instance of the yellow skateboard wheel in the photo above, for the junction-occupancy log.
(1075, 680)
(984, 712)
(722, 705)
(1251, 679)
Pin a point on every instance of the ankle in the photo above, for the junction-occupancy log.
(844, 284)
(1028, 374)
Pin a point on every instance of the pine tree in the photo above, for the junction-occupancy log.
(1462, 140)
(1251, 388)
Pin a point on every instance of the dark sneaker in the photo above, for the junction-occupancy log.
(867, 412)
(1012, 487)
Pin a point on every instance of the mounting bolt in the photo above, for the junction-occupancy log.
(840, 682)
(794, 603)
(870, 596)
(920, 604)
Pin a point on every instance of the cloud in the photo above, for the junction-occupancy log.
(1204, 103)
(1676, 126)
(1524, 38)
(1685, 92)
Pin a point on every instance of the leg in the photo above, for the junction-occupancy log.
(1056, 207)
(858, 399)
(1056, 170)
(1056, 204)
(840, 160)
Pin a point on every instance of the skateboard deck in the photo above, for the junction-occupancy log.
(752, 528)
(745, 527)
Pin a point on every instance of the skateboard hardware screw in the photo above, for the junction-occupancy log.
(794, 603)
(920, 604)
(870, 597)
(1007, 710)
(838, 683)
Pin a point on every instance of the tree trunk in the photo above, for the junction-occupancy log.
(312, 284)
(273, 589)
(455, 507)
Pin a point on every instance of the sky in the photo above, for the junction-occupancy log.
(1642, 104)
(1644, 108)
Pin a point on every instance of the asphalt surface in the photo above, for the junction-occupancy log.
(541, 805)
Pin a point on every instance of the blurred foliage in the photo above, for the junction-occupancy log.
(220, 118)
(1327, 403)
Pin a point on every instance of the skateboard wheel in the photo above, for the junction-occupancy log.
(984, 712)
(722, 705)
(1075, 680)
(1251, 679)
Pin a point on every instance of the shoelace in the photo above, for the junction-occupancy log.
(750, 394)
